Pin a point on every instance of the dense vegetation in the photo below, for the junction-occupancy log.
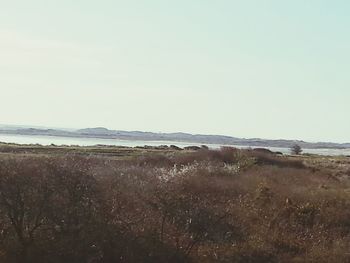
(202, 206)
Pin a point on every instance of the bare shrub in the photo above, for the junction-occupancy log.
(224, 205)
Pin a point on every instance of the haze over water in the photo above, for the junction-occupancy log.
(49, 140)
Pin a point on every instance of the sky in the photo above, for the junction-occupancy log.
(245, 68)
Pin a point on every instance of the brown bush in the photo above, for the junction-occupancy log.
(224, 205)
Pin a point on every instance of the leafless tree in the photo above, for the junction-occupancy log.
(296, 149)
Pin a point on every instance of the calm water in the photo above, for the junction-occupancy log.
(47, 140)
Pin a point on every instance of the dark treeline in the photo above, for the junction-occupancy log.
(205, 206)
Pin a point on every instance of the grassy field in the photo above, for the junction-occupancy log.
(117, 204)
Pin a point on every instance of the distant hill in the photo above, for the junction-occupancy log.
(95, 131)
(104, 133)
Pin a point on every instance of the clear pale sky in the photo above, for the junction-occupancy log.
(270, 69)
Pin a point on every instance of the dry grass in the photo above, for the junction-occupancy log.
(173, 206)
